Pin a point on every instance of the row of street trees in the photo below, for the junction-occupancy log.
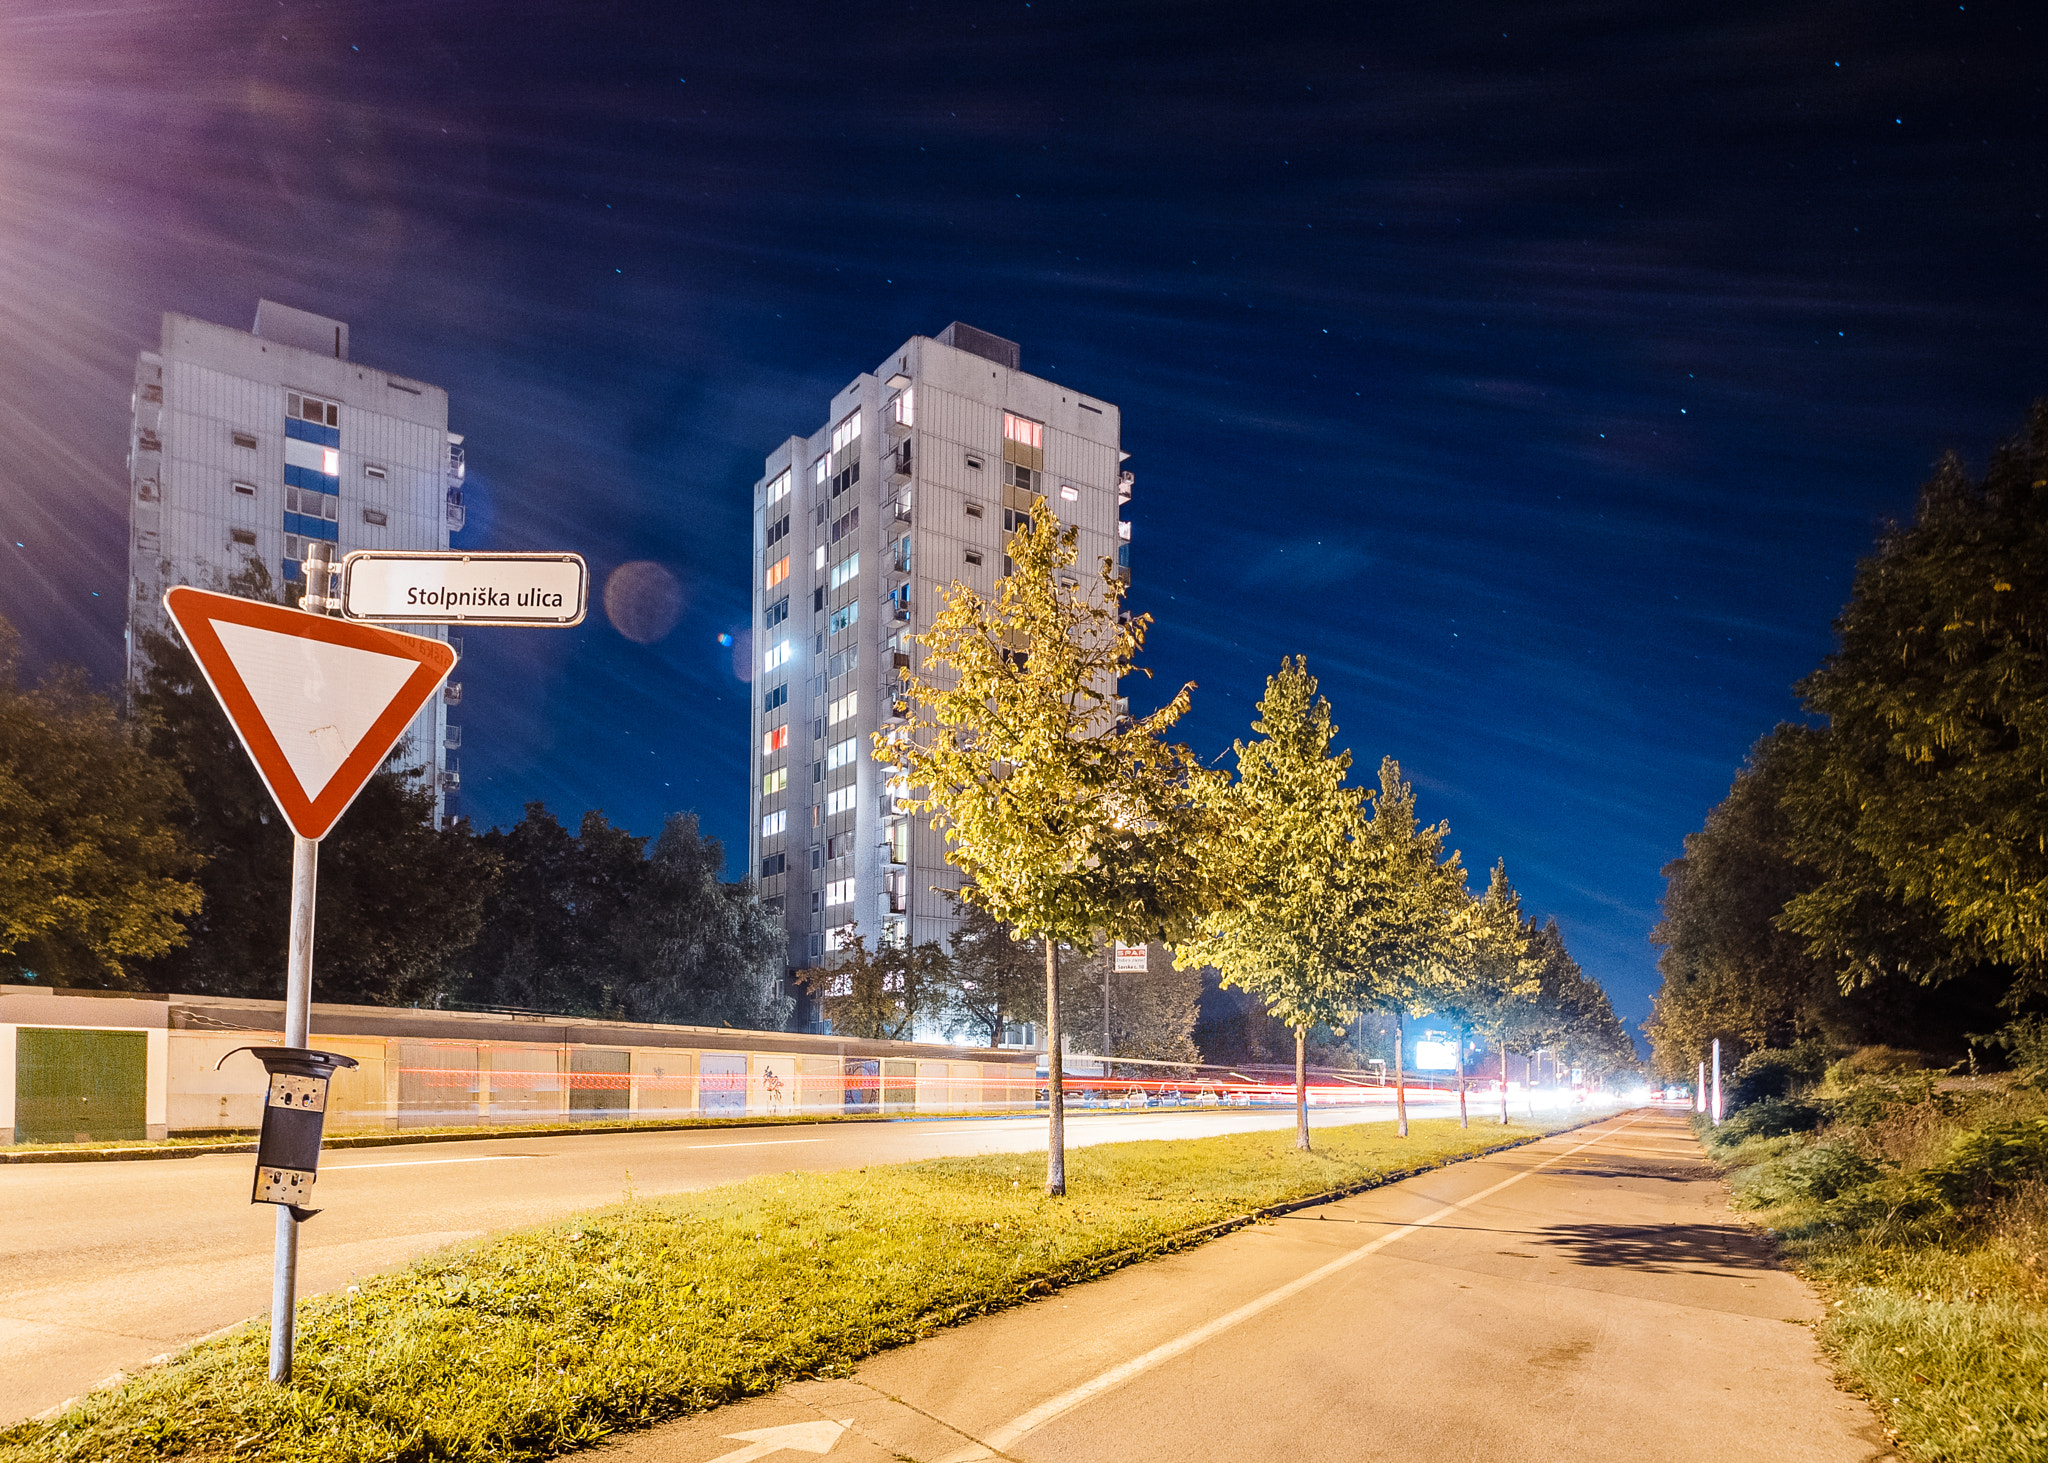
(1879, 874)
(1077, 823)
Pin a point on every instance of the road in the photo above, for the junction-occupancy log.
(1588, 1296)
(105, 1266)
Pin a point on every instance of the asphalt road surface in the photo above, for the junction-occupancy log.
(105, 1266)
(1588, 1296)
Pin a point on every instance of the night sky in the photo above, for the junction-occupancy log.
(1539, 371)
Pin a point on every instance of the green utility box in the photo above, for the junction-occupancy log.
(80, 1086)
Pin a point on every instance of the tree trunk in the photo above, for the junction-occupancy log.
(1400, 1077)
(1503, 1082)
(1055, 1093)
(1464, 1120)
(1301, 1088)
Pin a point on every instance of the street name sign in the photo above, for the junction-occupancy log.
(318, 703)
(464, 589)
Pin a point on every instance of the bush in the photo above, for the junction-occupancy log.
(1771, 1117)
(1991, 1163)
(1776, 1072)
(1875, 1061)
(1822, 1172)
(2025, 1042)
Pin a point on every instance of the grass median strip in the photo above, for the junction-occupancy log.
(543, 1340)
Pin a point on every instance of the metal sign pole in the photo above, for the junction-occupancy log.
(298, 1012)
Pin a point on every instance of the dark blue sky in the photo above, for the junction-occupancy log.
(1539, 371)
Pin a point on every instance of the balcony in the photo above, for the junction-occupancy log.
(453, 737)
(451, 694)
(457, 515)
(1125, 481)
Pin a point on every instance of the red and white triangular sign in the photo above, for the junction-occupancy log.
(319, 703)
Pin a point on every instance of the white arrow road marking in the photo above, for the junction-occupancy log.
(794, 1437)
(762, 1143)
(1010, 1432)
(424, 1162)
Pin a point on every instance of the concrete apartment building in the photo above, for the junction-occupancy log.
(918, 472)
(250, 444)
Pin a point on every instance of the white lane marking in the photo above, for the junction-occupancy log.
(758, 1143)
(424, 1162)
(1007, 1435)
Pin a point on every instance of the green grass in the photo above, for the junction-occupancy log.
(1938, 1314)
(548, 1339)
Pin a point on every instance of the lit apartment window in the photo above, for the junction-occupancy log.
(777, 572)
(777, 697)
(844, 616)
(779, 489)
(846, 433)
(841, 709)
(839, 891)
(819, 561)
(1070, 493)
(777, 739)
(776, 822)
(774, 782)
(839, 938)
(845, 569)
(901, 408)
(1023, 431)
(777, 657)
(840, 800)
(301, 457)
(840, 754)
(821, 469)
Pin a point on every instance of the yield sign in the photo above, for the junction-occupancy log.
(319, 703)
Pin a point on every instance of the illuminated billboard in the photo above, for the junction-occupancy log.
(1435, 1054)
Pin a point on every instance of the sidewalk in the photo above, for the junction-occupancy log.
(1589, 1295)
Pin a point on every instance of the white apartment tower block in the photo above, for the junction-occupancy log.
(248, 445)
(913, 481)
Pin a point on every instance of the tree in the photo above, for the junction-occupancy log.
(1583, 1028)
(1931, 785)
(94, 872)
(700, 951)
(1151, 1013)
(1072, 819)
(878, 995)
(1495, 980)
(1291, 853)
(992, 979)
(400, 900)
(1399, 942)
(556, 916)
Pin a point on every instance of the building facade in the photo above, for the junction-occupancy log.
(915, 478)
(248, 445)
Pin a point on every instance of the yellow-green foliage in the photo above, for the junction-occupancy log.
(548, 1339)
